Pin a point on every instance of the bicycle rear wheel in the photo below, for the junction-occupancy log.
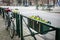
(12, 30)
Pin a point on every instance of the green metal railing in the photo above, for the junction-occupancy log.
(19, 27)
(57, 37)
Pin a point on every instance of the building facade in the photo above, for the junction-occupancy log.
(27, 2)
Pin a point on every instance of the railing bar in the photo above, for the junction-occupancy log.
(39, 22)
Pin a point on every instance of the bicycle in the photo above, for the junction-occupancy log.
(10, 24)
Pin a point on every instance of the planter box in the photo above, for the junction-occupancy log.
(38, 27)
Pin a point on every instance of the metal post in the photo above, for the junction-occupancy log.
(0, 10)
(57, 37)
(21, 17)
(3, 12)
(17, 25)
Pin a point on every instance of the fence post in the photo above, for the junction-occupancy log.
(57, 37)
(17, 25)
(3, 12)
(21, 17)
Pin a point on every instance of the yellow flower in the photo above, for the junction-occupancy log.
(15, 11)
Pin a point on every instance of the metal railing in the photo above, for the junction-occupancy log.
(41, 23)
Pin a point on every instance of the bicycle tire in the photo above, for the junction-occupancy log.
(12, 30)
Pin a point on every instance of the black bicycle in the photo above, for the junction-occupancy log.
(10, 24)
